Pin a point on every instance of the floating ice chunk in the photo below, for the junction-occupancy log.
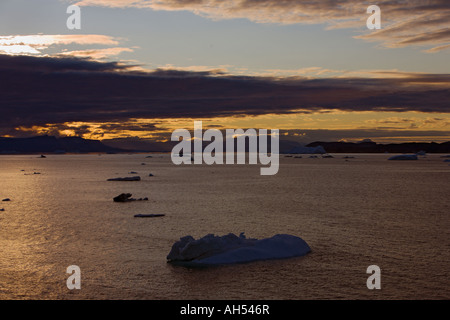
(404, 157)
(231, 249)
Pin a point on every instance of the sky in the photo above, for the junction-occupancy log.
(143, 68)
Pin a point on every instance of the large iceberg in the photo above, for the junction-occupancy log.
(231, 249)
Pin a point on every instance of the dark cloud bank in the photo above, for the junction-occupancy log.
(44, 90)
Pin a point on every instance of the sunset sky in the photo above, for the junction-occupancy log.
(142, 68)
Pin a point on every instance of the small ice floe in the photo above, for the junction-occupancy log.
(404, 157)
(126, 197)
(231, 249)
(137, 178)
(148, 215)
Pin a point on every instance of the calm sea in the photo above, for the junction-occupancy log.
(352, 212)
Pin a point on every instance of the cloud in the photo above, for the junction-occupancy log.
(438, 48)
(96, 54)
(392, 120)
(37, 91)
(380, 135)
(209, 69)
(412, 22)
(315, 72)
(35, 44)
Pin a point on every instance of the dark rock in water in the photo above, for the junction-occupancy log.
(148, 157)
(150, 175)
(126, 179)
(126, 197)
(132, 172)
(143, 164)
(42, 156)
(148, 215)
(404, 157)
(36, 173)
(7, 199)
(2, 209)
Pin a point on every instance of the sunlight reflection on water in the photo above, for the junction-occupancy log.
(352, 214)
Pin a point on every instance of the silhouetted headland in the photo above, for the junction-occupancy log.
(61, 145)
(373, 147)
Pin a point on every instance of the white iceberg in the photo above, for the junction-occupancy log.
(404, 157)
(232, 249)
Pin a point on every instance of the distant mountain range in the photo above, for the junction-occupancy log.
(50, 144)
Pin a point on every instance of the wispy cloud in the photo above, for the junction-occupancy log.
(223, 69)
(438, 48)
(96, 54)
(36, 44)
(380, 135)
(404, 23)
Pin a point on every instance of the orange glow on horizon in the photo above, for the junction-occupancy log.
(160, 130)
